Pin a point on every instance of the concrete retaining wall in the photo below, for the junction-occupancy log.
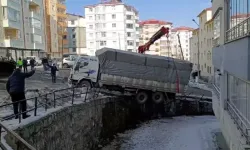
(89, 126)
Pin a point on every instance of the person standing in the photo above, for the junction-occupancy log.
(32, 63)
(20, 63)
(53, 70)
(16, 88)
(25, 65)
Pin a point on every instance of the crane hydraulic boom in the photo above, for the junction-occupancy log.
(163, 31)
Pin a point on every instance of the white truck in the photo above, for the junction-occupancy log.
(143, 75)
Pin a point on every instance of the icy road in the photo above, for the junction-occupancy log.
(179, 133)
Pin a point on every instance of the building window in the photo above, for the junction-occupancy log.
(114, 43)
(74, 42)
(11, 14)
(113, 25)
(113, 7)
(103, 34)
(73, 36)
(91, 26)
(90, 9)
(129, 26)
(114, 34)
(72, 22)
(217, 27)
(90, 17)
(35, 23)
(130, 43)
(129, 34)
(129, 17)
(130, 50)
(113, 16)
(91, 34)
(74, 50)
(102, 43)
(73, 29)
(91, 44)
(65, 37)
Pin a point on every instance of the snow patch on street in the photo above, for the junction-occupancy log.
(179, 133)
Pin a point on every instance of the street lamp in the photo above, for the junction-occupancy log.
(198, 45)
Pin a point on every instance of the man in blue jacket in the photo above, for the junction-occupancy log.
(16, 88)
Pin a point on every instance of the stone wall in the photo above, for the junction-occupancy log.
(88, 126)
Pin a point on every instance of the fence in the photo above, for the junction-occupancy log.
(15, 53)
(240, 30)
(44, 102)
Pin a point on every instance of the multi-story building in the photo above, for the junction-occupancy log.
(231, 58)
(111, 24)
(201, 44)
(76, 34)
(179, 40)
(56, 27)
(22, 24)
(147, 29)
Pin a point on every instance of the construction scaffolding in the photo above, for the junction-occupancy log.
(9, 53)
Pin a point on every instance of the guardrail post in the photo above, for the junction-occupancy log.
(73, 95)
(35, 111)
(46, 102)
(86, 93)
(19, 112)
(0, 134)
(54, 93)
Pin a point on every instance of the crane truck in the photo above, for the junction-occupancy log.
(145, 76)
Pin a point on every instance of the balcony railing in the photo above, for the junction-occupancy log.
(216, 42)
(239, 31)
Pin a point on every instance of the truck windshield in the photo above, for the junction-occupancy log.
(80, 63)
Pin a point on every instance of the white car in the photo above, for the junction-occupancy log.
(38, 61)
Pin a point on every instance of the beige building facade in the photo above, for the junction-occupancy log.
(202, 43)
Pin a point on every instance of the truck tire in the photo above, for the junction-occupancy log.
(141, 97)
(85, 83)
(157, 97)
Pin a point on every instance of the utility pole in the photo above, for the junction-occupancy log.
(198, 49)
(62, 46)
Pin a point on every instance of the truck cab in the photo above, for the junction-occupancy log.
(84, 71)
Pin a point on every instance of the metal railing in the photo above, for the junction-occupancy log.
(239, 31)
(14, 134)
(240, 120)
(44, 102)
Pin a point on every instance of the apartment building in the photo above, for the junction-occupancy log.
(147, 29)
(231, 94)
(179, 39)
(22, 24)
(76, 34)
(201, 44)
(111, 24)
(56, 28)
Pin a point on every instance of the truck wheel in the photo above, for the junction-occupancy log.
(157, 97)
(85, 83)
(141, 97)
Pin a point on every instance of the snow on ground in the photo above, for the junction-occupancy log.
(179, 133)
(199, 85)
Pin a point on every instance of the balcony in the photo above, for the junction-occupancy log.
(35, 2)
(7, 23)
(239, 31)
(13, 43)
(61, 15)
(11, 3)
(35, 15)
(216, 42)
(61, 6)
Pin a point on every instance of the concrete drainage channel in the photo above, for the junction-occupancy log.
(92, 125)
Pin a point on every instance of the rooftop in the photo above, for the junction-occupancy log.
(154, 21)
(204, 10)
(182, 28)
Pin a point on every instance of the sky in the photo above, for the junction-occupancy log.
(179, 12)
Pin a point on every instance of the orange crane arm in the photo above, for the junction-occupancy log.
(163, 31)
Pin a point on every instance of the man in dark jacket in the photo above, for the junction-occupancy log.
(25, 65)
(16, 88)
(53, 70)
(32, 63)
